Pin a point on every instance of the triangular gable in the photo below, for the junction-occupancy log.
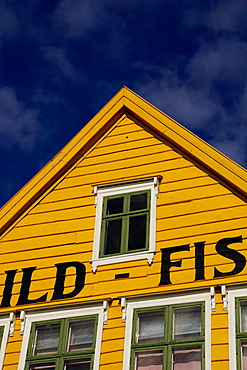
(125, 101)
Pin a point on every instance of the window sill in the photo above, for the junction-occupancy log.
(122, 258)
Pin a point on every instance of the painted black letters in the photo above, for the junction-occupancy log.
(60, 280)
(223, 249)
(25, 288)
(166, 263)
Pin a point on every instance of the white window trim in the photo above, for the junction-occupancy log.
(5, 322)
(100, 193)
(232, 295)
(164, 301)
(58, 313)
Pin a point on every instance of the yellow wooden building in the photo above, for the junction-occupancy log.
(127, 251)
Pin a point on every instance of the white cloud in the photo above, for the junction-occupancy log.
(78, 16)
(58, 57)
(230, 15)
(18, 125)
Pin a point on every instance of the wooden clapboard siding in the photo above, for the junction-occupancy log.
(193, 205)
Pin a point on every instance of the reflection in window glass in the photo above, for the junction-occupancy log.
(114, 206)
(243, 316)
(113, 236)
(43, 366)
(149, 360)
(138, 201)
(81, 334)
(46, 339)
(244, 355)
(186, 358)
(137, 232)
(151, 326)
(80, 364)
(187, 322)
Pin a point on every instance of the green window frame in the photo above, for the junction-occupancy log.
(169, 337)
(241, 332)
(62, 344)
(125, 223)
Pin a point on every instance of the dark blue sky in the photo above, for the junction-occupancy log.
(62, 60)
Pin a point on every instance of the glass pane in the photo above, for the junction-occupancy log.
(113, 236)
(137, 232)
(80, 335)
(114, 206)
(186, 358)
(46, 339)
(150, 326)
(244, 355)
(243, 316)
(187, 322)
(149, 360)
(79, 364)
(138, 201)
(43, 366)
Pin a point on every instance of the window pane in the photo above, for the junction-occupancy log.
(187, 322)
(80, 335)
(243, 316)
(113, 236)
(79, 364)
(150, 326)
(138, 201)
(46, 339)
(186, 358)
(137, 232)
(43, 366)
(149, 360)
(244, 355)
(114, 206)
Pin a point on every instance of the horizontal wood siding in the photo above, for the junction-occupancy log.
(192, 206)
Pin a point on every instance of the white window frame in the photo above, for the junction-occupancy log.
(165, 301)
(59, 313)
(232, 295)
(105, 191)
(5, 322)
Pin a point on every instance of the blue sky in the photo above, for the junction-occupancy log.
(62, 60)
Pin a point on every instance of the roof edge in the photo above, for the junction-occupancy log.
(124, 100)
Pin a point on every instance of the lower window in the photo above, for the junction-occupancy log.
(68, 340)
(69, 343)
(171, 335)
(168, 334)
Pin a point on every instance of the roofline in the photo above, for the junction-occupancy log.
(124, 101)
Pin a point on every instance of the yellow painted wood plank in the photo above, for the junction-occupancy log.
(220, 352)
(193, 182)
(220, 365)
(58, 227)
(219, 336)
(125, 138)
(40, 241)
(219, 320)
(135, 144)
(195, 206)
(62, 204)
(143, 160)
(111, 354)
(205, 217)
(60, 215)
(127, 154)
(125, 129)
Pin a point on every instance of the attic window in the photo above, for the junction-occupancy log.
(125, 222)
